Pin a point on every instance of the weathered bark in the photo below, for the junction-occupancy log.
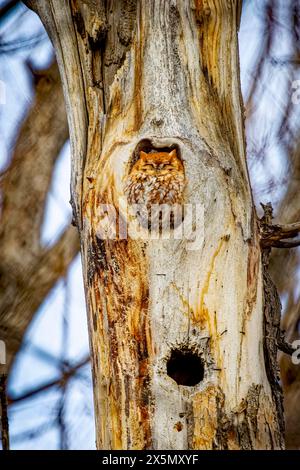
(162, 74)
(28, 271)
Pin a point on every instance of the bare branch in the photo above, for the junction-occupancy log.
(49, 267)
(284, 346)
(8, 7)
(36, 151)
(281, 244)
(60, 381)
(272, 235)
(29, 271)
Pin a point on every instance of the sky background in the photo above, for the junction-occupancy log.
(33, 422)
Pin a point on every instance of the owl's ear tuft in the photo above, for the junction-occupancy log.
(173, 153)
(143, 155)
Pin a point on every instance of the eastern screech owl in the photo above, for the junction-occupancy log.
(156, 179)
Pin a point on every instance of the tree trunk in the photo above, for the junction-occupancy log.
(176, 326)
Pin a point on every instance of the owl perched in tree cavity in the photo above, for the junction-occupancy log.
(157, 178)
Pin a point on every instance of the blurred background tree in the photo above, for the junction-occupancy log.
(42, 324)
(42, 309)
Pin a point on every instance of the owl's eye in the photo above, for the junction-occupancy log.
(169, 167)
(149, 166)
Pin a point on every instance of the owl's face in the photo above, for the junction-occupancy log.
(156, 178)
(158, 164)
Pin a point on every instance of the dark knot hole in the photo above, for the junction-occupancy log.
(185, 367)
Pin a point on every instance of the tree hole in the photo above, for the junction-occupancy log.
(185, 367)
(147, 146)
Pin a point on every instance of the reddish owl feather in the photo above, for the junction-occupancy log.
(157, 179)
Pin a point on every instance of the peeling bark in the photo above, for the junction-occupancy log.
(168, 77)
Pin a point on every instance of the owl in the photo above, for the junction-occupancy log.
(156, 183)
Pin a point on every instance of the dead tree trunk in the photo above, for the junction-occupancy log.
(176, 327)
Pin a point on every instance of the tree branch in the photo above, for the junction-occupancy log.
(8, 7)
(69, 373)
(48, 268)
(273, 234)
(284, 346)
(281, 244)
(29, 271)
(32, 167)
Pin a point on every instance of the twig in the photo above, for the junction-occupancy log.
(288, 230)
(281, 244)
(4, 415)
(284, 346)
(272, 235)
